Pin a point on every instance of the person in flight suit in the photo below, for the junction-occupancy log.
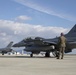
(61, 45)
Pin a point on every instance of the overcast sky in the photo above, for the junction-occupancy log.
(44, 18)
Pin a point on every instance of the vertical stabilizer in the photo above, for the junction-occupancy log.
(72, 32)
(10, 44)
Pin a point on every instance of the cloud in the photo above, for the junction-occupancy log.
(22, 18)
(47, 10)
(16, 31)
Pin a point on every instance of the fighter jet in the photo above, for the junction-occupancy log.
(6, 49)
(39, 44)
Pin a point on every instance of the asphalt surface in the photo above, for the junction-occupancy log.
(38, 65)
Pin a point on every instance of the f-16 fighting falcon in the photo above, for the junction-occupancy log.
(6, 49)
(38, 44)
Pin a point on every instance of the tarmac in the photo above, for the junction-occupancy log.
(37, 65)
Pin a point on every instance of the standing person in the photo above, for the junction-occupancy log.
(61, 45)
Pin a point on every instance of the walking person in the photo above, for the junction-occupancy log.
(61, 45)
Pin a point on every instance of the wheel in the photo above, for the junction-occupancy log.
(2, 53)
(31, 55)
(47, 54)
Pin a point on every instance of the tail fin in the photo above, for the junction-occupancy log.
(72, 32)
(10, 44)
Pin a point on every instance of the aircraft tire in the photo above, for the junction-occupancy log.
(31, 55)
(2, 53)
(47, 54)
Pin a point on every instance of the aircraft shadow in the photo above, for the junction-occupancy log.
(25, 57)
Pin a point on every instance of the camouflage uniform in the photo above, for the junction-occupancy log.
(62, 45)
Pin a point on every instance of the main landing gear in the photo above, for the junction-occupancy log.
(47, 54)
(2, 53)
(31, 55)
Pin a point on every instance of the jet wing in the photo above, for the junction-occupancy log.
(37, 41)
(41, 42)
